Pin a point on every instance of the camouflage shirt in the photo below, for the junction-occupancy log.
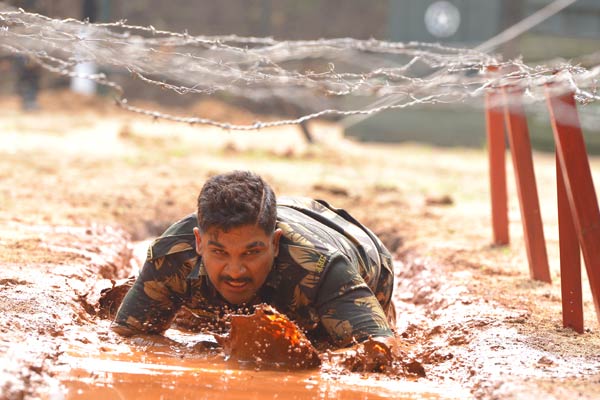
(332, 276)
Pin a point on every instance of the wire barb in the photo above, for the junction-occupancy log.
(325, 77)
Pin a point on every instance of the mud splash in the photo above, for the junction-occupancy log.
(268, 339)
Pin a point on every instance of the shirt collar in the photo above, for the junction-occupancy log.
(198, 270)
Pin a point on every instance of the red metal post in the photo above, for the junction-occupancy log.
(574, 164)
(520, 147)
(570, 259)
(497, 166)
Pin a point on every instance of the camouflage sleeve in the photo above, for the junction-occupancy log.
(348, 309)
(156, 296)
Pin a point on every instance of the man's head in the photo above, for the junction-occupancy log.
(236, 234)
(234, 199)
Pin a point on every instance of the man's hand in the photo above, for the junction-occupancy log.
(163, 344)
(373, 355)
(379, 354)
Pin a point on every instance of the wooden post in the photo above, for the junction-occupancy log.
(570, 259)
(520, 147)
(578, 183)
(494, 123)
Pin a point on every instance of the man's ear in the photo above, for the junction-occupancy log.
(276, 237)
(198, 241)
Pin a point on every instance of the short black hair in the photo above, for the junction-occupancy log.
(235, 199)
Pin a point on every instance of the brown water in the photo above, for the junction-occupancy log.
(125, 370)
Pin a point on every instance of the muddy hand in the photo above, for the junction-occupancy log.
(377, 355)
(372, 355)
(396, 351)
(156, 342)
(204, 346)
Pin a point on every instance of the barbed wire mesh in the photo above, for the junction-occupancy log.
(328, 77)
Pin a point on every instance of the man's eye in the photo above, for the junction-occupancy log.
(217, 252)
(252, 252)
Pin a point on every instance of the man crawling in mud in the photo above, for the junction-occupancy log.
(312, 262)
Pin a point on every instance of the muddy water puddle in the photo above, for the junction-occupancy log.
(101, 365)
(117, 369)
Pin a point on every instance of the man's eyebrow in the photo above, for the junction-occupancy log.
(216, 244)
(258, 243)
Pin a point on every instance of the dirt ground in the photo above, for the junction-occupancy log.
(83, 186)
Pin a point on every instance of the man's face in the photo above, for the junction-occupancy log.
(237, 261)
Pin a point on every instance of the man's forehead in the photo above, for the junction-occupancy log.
(244, 236)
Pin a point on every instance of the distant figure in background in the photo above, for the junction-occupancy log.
(28, 73)
(28, 82)
(81, 84)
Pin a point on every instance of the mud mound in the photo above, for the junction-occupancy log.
(268, 338)
(45, 297)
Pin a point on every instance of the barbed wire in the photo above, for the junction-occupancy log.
(313, 74)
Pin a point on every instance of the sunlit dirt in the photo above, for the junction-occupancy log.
(80, 185)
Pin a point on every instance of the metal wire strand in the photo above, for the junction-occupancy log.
(315, 74)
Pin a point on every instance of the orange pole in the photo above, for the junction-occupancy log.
(570, 259)
(494, 124)
(520, 147)
(574, 164)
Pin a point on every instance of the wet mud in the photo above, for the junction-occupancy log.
(471, 322)
(268, 338)
(57, 342)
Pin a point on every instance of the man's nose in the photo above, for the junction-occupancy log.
(235, 268)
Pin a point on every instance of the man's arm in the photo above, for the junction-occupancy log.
(353, 317)
(156, 296)
(348, 308)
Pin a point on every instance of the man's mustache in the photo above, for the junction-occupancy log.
(227, 278)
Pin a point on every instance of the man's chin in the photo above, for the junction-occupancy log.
(236, 301)
(237, 298)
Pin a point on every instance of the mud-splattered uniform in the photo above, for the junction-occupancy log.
(332, 276)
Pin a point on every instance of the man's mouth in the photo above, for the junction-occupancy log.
(236, 284)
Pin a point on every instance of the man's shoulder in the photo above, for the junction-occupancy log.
(316, 210)
(331, 228)
(299, 203)
(318, 223)
(306, 241)
(184, 226)
(302, 210)
(297, 217)
(177, 238)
